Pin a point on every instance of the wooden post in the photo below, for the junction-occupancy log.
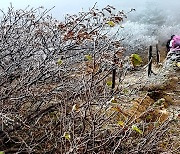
(150, 61)
(157, 54)
(114, 72)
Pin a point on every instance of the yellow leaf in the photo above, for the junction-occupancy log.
(109, 83)
(59, 62)
(75, 107)
(114, 100)
(156, 124)
(111, 23)
(67, 135)
(121, 123)
(88, 57)
(159, 102)
(148, 117)
(178, 64)
(136, 59)
(52, 114)
(135, 128)
(117, 109)
(125, 91)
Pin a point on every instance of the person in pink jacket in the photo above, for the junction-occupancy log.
(173, 43)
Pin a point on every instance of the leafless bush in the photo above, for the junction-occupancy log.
(53, 91)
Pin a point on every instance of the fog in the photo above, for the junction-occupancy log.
(63, 7)
(153, 21)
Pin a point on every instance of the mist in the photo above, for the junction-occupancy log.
(153, 21)
(152, 24)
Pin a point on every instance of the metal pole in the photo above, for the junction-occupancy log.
(150, 61)
(157, 53)
(114, 72)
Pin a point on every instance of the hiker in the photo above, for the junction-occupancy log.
(168, 43)
(173, 43)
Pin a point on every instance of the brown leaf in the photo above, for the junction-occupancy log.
(118, 19)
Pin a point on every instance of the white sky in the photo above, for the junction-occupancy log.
(63, 7)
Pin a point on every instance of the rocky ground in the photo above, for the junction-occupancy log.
(163, 85)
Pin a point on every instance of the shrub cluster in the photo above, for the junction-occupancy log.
(54, 94)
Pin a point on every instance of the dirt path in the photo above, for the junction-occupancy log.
(164, 84)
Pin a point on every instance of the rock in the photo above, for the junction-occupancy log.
(160, 84)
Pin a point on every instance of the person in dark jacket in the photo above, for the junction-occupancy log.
(168, 43)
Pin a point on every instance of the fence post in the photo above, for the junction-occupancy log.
(114, 72)
(157, 54)
(150, 61)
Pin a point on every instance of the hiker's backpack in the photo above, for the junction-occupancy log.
(176, 41)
